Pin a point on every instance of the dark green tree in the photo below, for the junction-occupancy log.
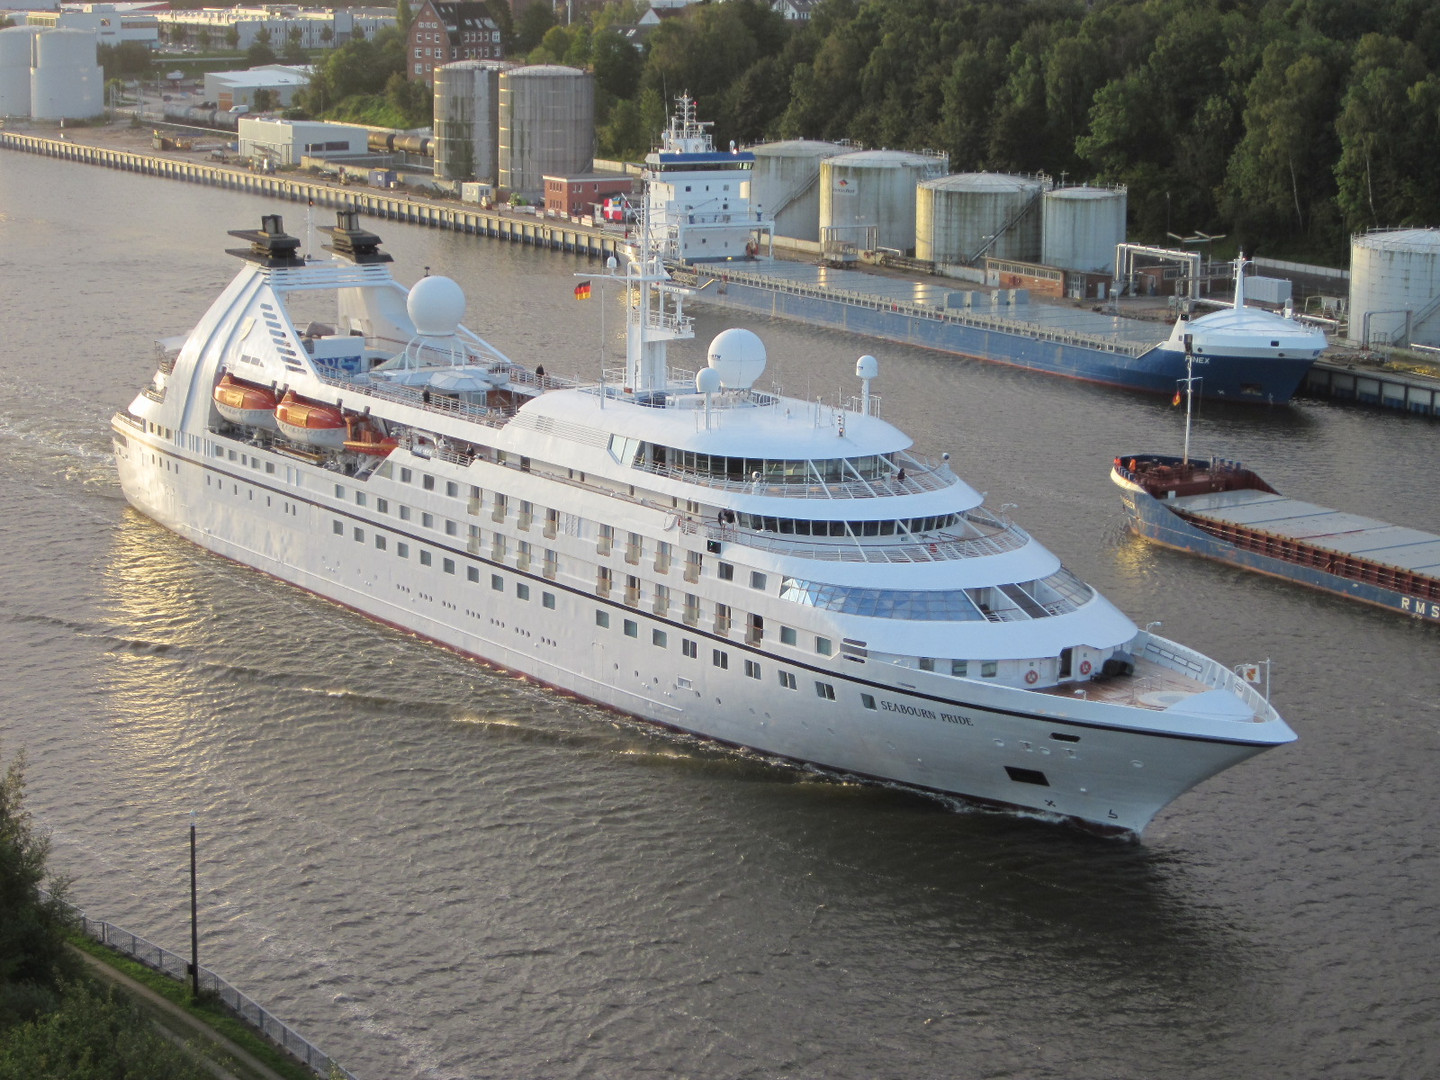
(94, 1035)
(34, 962)
(531, 27)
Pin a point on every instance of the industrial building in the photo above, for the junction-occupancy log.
(964, 217)
(1395, 287)
(110, 23)
(867, 198)
(285, 142)
(580, 194)
(467, 120)
(547, 126)
(231, 88)
(785, 185)
(50, 74)
(319, 28)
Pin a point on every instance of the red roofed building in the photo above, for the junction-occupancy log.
(444, 31)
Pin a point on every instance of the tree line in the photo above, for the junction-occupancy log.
(1288, 124)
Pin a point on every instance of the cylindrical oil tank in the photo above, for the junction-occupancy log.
(785, 185)
(547, 126)
(1395, 281)
(380, 142)
(1081, 226)
(467, 120)
(66, 82)
(17, 54)
(963, 217)
(876, 187)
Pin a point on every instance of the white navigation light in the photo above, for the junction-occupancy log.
(739, 356)
(436, 306)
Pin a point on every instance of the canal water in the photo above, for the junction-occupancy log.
(436, 872)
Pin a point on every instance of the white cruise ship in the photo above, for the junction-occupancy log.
(683, 547)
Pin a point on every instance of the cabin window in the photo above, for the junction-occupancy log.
(690, 648)
(338, 527)
(989, 669)
(379, 542)
(632, 628)
(788, 681)
(959, 668)
(522, 591)
(382, 506)
(403, 550)
(602, 618)
(788, 635)
(472, 573)
(825, 690)
(868, 700)
(752, 669)
(547, 599)
(823, 646)
(425, 557)
(359, 535)
(448, 565)
(497, 583)
(658, 638)
(720, 658)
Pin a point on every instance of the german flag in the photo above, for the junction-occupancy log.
(582, 291)
(1176, 399)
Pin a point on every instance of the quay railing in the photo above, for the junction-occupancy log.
(245, 1007)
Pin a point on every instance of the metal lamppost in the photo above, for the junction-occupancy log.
(194, 920)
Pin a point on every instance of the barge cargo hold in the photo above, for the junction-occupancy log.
(1224, 511)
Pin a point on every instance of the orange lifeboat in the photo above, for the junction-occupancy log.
(311, 423)
(364, 438)
(245, 403)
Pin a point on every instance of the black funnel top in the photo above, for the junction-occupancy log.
(349, 241)
(270, 245)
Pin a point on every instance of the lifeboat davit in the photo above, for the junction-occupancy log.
(245, 403)
(364, 438)
(311, 423)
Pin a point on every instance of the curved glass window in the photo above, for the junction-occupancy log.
(1057, 594)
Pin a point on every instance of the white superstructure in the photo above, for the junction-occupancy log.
(698, 198)
(686, 548)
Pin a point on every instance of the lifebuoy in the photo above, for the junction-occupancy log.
(1032, 676)
(1084, 667)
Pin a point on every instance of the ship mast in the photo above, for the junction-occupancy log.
(654, 305)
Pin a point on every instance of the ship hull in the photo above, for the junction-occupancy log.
(1151, 518)
(1050, 755)
(1252, 379)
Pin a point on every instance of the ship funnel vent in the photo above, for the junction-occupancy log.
(270, 245)
(350, 241)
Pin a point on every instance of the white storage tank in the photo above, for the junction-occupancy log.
(547, 126)
(1081, 226)
(1391, 273)
(876, 187)
(467, 120)
(785, 184)
(66, 82)
(964, 217)
(17, 55)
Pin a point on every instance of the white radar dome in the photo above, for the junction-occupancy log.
(867, 367)
(436, 306)
(707, 380)
(739, 356)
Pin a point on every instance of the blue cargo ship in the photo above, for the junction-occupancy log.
(1240, 353)
(1224, 511)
